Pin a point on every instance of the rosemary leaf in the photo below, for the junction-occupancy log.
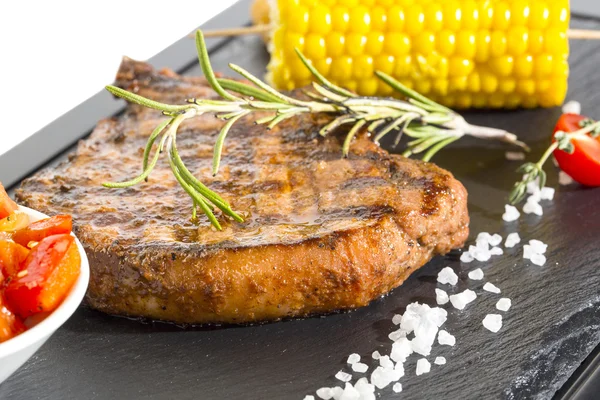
(264, 86)
(334, 88)
(190, 190)
(221, 139)
(434, 149)
(207, 68)
(409, 92)
(247, 90)
(350, 136)
(151, 141)
(142, 101)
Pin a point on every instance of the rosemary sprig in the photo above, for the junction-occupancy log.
(430, 126)
(563, 141)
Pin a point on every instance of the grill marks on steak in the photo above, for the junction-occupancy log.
(321, 233)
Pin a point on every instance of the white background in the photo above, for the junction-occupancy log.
(55, 54)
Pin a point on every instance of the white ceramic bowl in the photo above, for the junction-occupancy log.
(14, 352)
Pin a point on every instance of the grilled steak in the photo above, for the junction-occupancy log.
(321, 233)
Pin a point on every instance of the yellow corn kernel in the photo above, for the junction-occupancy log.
(445, 42)
(315, 47)
(374, 44)
(424, 43)
(414, 20)
(434, 17)
(379, 19)
(319, 22)
(368, 87)
(465, 44)
(360, 20)
(355, 44)
(363, 67)
(340, 18)
(334, 44)
(464, 53)
(516, 40)
(396, 44)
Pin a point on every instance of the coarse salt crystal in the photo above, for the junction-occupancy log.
(343, 376)
(531, 207)
(538, 259)
(510, 213)
(353, 358)
(496, 251)
(360, 367)
(444, 338)
(441, 297)
(460, 300)
(365, 388)
(571, 107)
(535, 198)
(481, 255)
(381, 377)
(397, 334)
(512, 239)
(537, 246)
(385, 362)
(476, 274)
(350, 393)
(482, 244)
(547, 193)
(397, 388)
(514, 155)
(440, 361)
(437, 315)
(376, 355)
(401, 350)
(527, 251)
(495, 240)
(493, 322)
(533, 186)
(337, 392)
(423, 366)
(503, 304)
(490, 287)
(447, 275)
(396, 319)
(483, 236)
(325, 393)
(309, 397)
(466, 257)
(564, 178)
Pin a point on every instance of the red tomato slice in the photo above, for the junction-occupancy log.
(36, 231)
(7, 206)
(584, 164)
(46, 276)
(10, 324)
(12, 256)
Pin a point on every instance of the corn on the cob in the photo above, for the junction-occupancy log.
(461, 53)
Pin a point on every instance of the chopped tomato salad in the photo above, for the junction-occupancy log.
(39, 263)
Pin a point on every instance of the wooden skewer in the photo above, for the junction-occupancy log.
(258, 29)
(583, 34)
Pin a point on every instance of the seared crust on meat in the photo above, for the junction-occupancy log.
(321, 233)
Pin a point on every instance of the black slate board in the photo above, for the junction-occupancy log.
(553, 326)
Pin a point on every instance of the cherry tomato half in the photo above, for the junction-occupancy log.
(46, 276)
(584, 164)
